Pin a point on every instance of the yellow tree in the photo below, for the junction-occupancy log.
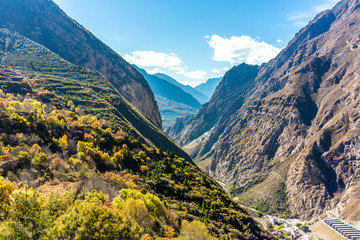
(194, 230)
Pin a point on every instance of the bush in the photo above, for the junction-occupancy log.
(59, 203)
(194, 230)
(137, 210)
(27, 216)
(152, 203)
(96, 197)
(40, 160)
(93, 221)
(6, 189)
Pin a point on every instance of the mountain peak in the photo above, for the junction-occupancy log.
(291, 128)
(345, 7)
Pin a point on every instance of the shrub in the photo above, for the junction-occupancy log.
(137, 210)
(152, 202)
(94, 221)
(119, 157)
(27, 216)
(39, 160)
(63, 143)
(96, 197)
(6, 189)
(142, 154)
(194, 230)
(59, 203)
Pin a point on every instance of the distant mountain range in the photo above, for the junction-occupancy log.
(201, 97)
(208, 88)
(168, 90)
(172, 100)
(176, 100)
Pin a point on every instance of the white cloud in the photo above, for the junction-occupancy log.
(225, 69)
(302, 18)
(159, 62)
(183, 70)
(243, 49)
(153, 59)
(279, 41)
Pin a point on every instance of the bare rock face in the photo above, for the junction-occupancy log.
(288, 140)
(44, 22)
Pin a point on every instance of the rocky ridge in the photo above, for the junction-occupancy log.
(291, 144)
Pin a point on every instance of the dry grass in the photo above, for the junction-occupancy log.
(57, 187)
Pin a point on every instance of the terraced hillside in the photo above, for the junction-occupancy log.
(44, 22)
(60, 81)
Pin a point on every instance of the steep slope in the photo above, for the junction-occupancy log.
(60, 81)
(208, 88)
(292, 145)
(195, 93)
(45, 23)
(95, 184)
(214, 115)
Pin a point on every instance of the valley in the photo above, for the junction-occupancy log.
(286, 135)
(114, 141)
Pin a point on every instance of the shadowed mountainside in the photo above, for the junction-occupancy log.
(173, 102)
(202, 98)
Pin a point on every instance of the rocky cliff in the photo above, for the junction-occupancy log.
(45, 23)
(287, 139)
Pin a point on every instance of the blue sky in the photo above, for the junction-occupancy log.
(194, 40)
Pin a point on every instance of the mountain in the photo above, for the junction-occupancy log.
(78, 160)
(66, 175)
(196, 94)
(170, 111)
(227, 99)
(168, 90)
(60, 81)
(173, 102)
(208, 88)
(45, 23)
(288, 140)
